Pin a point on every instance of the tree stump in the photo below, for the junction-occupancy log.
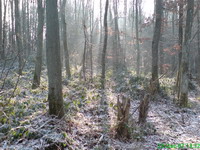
(123, 105)
(143, 109)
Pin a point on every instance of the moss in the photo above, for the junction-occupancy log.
(184, 100)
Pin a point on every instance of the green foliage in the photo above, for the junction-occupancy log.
(32, 134)
(17, 133)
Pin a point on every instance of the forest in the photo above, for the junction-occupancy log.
(99, 74)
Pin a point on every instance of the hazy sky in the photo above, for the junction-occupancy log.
(147, 6)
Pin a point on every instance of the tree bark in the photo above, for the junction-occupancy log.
(198, 38)
(185, 55)
(53, 60)
(155, 43)
(4, 30)
(137, 37)
(103, 65)
(38, 63)
(1, 47)
(180, 47)
(65, 44)
(18, 36)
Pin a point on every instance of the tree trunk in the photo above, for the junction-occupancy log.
(1, 48)
(116, 40)
(53, 60)
(185, 55)
(28, 30)
(155, 43)
(198, 36)
(180, 48)
(125, 34)
(137, 38)
(12, 18)
(38, 63)
(4, 30)
(123, 107)
(65, 44)
(143, 109)
(18, 35)
(103, 62)
(84, 50)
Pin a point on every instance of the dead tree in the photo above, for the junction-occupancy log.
(143, 109)
(123, 107)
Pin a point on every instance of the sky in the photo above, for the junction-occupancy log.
(147, 6)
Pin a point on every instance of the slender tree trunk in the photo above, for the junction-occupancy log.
(4, 29)
(53, 60)
(84, 50)
(28, 34)
(38, 62)
(137, 38)
(100, 35)
(180, 47)
(18, 36)
(12, 18)
(116, 43)
(198, 36)
(155, 43)
(185, 55)
(1, 47)
(125, 34)
(65, 44)
(91, 43)
(161, 53)
(104, 46)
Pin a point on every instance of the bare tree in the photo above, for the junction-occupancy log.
(155, 43)
(104, 46)
(65, 44)
(180, 47)
(18, 36)
(53, 60)
(137, 37)
(1, 49)
(38, 62)
(4, 29)
(198, 38)
(185, 55)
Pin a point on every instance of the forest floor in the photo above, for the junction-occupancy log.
(91, 115)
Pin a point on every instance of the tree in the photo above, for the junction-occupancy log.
(185, 55)
(18, 36)
(198, 38)
(4, 30)
(38, 62)
(180, 42)
(53, 60)
(155, 43)
(65, 44)
(103, 62)
(1, 50)
(137, 37)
